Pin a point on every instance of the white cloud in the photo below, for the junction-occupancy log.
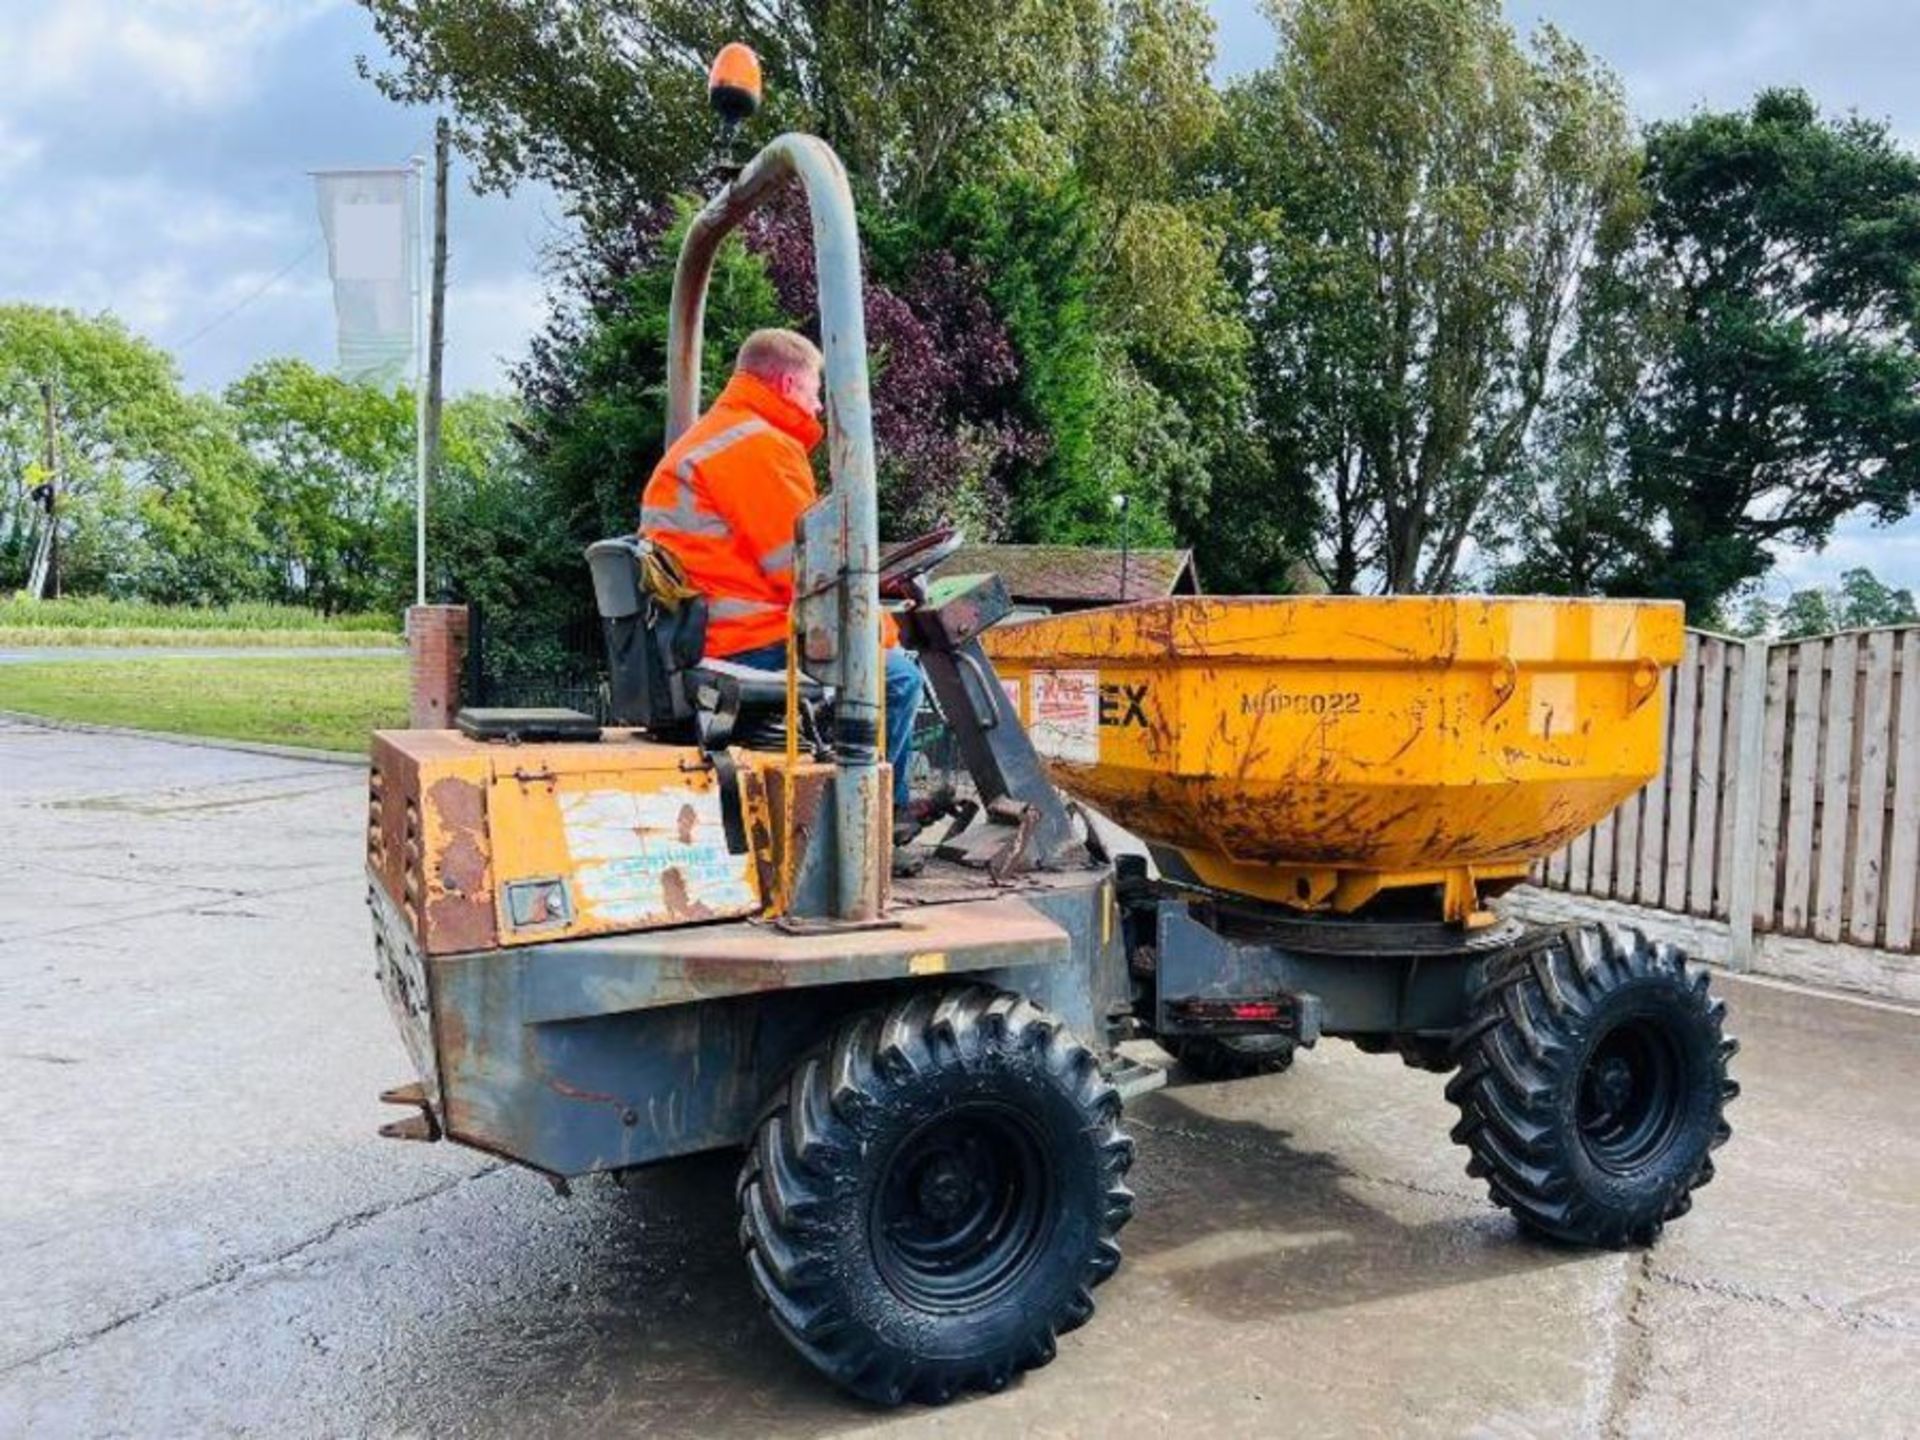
(1891, 552)
(189, 54)
(167, 143)
(107, 225)
(488, 325)
(16, 149)
(166, 259)
(1722, 72)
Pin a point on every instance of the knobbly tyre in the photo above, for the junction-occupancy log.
(608, 947)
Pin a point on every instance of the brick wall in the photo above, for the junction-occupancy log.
(437, 639)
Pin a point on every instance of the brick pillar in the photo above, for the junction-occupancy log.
(437, 636)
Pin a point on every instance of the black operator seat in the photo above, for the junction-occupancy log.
(662, 681)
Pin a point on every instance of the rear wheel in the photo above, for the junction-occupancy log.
(1593, 1077)
(1231, 1057)
(930, 1200)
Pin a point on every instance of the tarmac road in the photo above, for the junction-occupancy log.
(200, 1232)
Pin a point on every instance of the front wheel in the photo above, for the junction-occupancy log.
(1593, 1077)
(931, 1198)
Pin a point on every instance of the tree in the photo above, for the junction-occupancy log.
(1758, 335)
(604, 100)
(154, 494)
(1756, 618)
(201, 516)
(944, 400)
(1807, 612)
(495, 540)
(334, 462)
(1861, 601)
(945, 375)
(1415, 201)
(1033, 242)
(594, 382)
(961, 125)
(1866, 602)
(1576, 513)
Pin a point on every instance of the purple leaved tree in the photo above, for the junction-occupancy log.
(946, 382)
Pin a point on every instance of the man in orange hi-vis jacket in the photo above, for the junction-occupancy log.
(724, 499)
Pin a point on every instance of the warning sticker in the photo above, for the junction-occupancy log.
(1064, 721)
(654, 858)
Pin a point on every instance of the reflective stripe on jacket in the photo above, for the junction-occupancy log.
(725, 498)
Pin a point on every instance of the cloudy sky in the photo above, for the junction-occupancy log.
(153, 159)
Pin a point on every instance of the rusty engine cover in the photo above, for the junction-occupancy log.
(482, 845)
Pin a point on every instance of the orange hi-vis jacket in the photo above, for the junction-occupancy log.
(724, 499)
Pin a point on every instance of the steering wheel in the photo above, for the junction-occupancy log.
(905, 564)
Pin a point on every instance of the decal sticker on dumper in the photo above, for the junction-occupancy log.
(1064, 723)
(658, 856)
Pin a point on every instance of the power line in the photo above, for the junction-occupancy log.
(246, 300)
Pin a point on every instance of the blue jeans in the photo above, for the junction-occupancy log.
(906, 683)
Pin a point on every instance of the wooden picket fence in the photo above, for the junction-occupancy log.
(1790, 803)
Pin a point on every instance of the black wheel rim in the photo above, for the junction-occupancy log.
(963, 1208)
(1630, 1100)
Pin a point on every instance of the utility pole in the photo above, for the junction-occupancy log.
(417, 268)
(53, 491)
(437, 338)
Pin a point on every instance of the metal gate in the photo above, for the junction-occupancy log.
(564, 666)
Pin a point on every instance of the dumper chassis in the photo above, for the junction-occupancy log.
(606, 947)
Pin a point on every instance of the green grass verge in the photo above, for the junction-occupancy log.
(26, 637)
(325, 703)
(98, 613)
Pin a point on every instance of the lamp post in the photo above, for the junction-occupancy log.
(1123, 504)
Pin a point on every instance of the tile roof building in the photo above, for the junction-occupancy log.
(1075, 577)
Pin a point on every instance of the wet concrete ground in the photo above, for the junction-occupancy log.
(201, 1234)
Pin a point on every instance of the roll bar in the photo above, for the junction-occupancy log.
(858, 803)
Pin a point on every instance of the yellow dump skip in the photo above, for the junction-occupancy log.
(1319, 750)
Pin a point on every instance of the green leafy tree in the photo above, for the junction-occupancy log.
(1133, 353)
(594, 385)
(1574, 511)
(1861, 601)
(1807, 612)
(1755, 346)
(202, 516)
(962, 125)
(334, 462)
(1034, 241)
(1866, 601)
(1108, 431)
(606, 101)
(495, 541)
(1755, 617)
(1416, 197)
(1179, 417)
(155, 498)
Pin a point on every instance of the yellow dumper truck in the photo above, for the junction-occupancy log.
(609, 945)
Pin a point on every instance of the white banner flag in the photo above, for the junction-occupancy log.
(372, 224)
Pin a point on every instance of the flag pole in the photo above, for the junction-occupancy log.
(437, 300)
(419, 385)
